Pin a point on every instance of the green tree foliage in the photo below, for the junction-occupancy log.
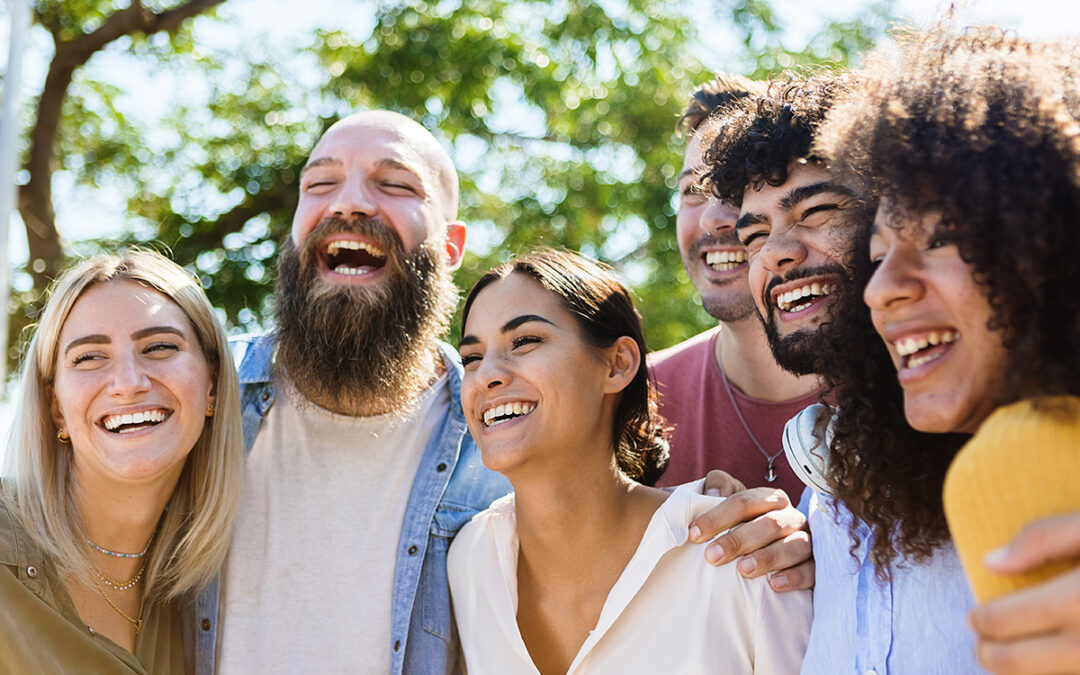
(560, 115)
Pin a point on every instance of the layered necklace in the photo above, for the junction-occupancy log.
(135, 621)
(770, 474)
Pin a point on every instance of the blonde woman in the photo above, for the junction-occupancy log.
(123, 474)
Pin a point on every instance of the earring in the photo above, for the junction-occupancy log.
(210, 409)
(62, 438)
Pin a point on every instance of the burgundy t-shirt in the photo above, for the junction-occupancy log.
(708, 434)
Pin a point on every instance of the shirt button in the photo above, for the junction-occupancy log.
(412, 550)
(871, 672)
(31, 572)
(397, 645)
(266, 396)
(206, 624)
(441, 467)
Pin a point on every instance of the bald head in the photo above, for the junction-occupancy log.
(413, 142)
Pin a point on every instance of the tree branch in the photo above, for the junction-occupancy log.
(35, 198)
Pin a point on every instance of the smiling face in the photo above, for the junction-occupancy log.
(532, 384)
(387, 173)
(132, 385)
(933, 317)
(711, 253)
(798, 236)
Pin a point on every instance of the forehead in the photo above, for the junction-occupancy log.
(692, 156)
(368, 143)
(116, 305)
(768, 197)
(511, 296)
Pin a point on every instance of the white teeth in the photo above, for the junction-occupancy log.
(909, 345)
(722, 261)
(786, 301)
(506, 412)
(113, 422)
(333, 247)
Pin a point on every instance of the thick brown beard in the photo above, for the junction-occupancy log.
(356, 349)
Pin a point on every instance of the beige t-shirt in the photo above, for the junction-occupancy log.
(308, 582)
(669, 612)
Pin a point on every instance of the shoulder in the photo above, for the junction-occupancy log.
(695, 348)
(479, 538)
(253, 354)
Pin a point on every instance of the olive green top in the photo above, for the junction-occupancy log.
(40, 631)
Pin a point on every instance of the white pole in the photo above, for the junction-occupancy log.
(9, 156)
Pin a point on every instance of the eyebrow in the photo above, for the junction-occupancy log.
(506, 327)
(792, 199)
(137, 335)
(321, 161)
(804, 192)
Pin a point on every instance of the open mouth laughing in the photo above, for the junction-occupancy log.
(918, 349)
(725, 261)
(128, 422)
(505, 412)
(803, 297)
(352, 257)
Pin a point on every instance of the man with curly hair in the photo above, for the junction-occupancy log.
(878, 590)
(725, 378)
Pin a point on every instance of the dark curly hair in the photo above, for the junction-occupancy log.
(756, 140)
(604, 311)
(723, 90)
(982, 126)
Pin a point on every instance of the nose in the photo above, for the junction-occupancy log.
(782, 251)
(718, 217)
(895, 281)
(353, 199)
(129, 377)
(492, 372)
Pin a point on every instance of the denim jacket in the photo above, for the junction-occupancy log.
(450, 487)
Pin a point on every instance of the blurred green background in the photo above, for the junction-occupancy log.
(179, 125)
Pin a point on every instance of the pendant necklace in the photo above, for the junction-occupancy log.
(770, 475)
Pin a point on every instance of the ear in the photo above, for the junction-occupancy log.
(624, 359)
(54, 409)
(211, 397)
(455, 243)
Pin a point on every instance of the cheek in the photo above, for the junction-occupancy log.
(756, 278)
(685, 223)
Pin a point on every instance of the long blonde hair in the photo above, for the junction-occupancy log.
(193, 534)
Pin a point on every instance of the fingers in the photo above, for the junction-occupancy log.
(1046, 540)
(722, 484)
(792, 550)
(1053, 606)
(797, 578)
(739, 507)
(1053, 653)
(775, 539)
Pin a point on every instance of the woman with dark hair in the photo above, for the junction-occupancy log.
(573, 572)
(971, 144)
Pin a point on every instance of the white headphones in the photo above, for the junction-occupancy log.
(807, 455)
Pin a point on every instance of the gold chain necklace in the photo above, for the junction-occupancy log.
(120, 586)
(137, 623)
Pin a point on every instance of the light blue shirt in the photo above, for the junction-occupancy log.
(915, 623)
(451, 486)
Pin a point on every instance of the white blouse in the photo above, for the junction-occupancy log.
(669, 612)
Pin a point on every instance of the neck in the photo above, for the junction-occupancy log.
(742, 352)
(567, 521)
(122, 519)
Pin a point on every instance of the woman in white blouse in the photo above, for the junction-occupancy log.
(585, 569)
